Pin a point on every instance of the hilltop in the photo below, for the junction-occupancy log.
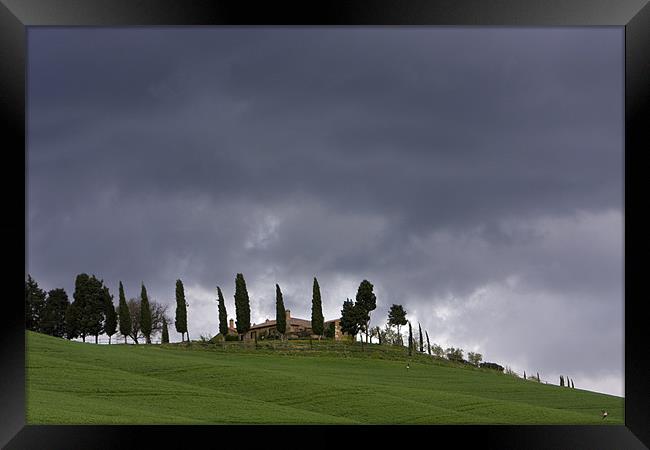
(294, 383)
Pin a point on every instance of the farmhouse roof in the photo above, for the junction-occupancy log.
(292, 321)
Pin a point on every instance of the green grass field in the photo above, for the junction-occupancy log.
(76, 383)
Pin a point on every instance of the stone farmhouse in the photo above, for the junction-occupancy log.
(295, 328)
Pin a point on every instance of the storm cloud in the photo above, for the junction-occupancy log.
(474, 175)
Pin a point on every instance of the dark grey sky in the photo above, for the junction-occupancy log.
(473, 175)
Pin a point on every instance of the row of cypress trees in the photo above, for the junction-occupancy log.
(243, 312)
(93, 312)
(566, 382)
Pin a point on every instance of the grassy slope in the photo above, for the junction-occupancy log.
(70, 382)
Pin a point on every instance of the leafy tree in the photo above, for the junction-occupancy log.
(72, 321)
(124, 315)
(474, 358)
(80, 297)
(349, 323)
(181, 311)
(54, 313)
(94, 314)
(410, 339)
(89, 301)
(145, 315)
(366, 301)
(165, 333)
(280, 312)
(316, 310)
(110, 323)
(397, 317)
(34, 304)
(158, 315)
(242, 306)
(428, 344)
(223, 314)
(134, 311)
(390, 336)
(378, 333)
(421, 340)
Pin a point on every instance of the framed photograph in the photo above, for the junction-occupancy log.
(334, 219)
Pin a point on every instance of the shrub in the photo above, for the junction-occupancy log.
(303, 334)
(437, 350)
(454, 354)
(232, 337)
(491, 365)
(330, 330)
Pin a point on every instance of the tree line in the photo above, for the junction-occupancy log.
(92, 312)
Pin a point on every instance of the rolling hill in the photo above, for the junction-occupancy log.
(77, 383)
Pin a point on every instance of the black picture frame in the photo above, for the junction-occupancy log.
(17, 15)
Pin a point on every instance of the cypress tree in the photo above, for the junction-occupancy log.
(538, 377)
(421, 340)
(181, 310)
(561, 380)
(124, 315)
(572, 385)
(524, 374)
(242, 306)
(280, 312)
(317, 319)
(110, 324)
(34, 304)
(53, 318)
(165, 333)
(410, 339)
(366, 301)
(428, 344)
(145, 315)
(223, 314)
